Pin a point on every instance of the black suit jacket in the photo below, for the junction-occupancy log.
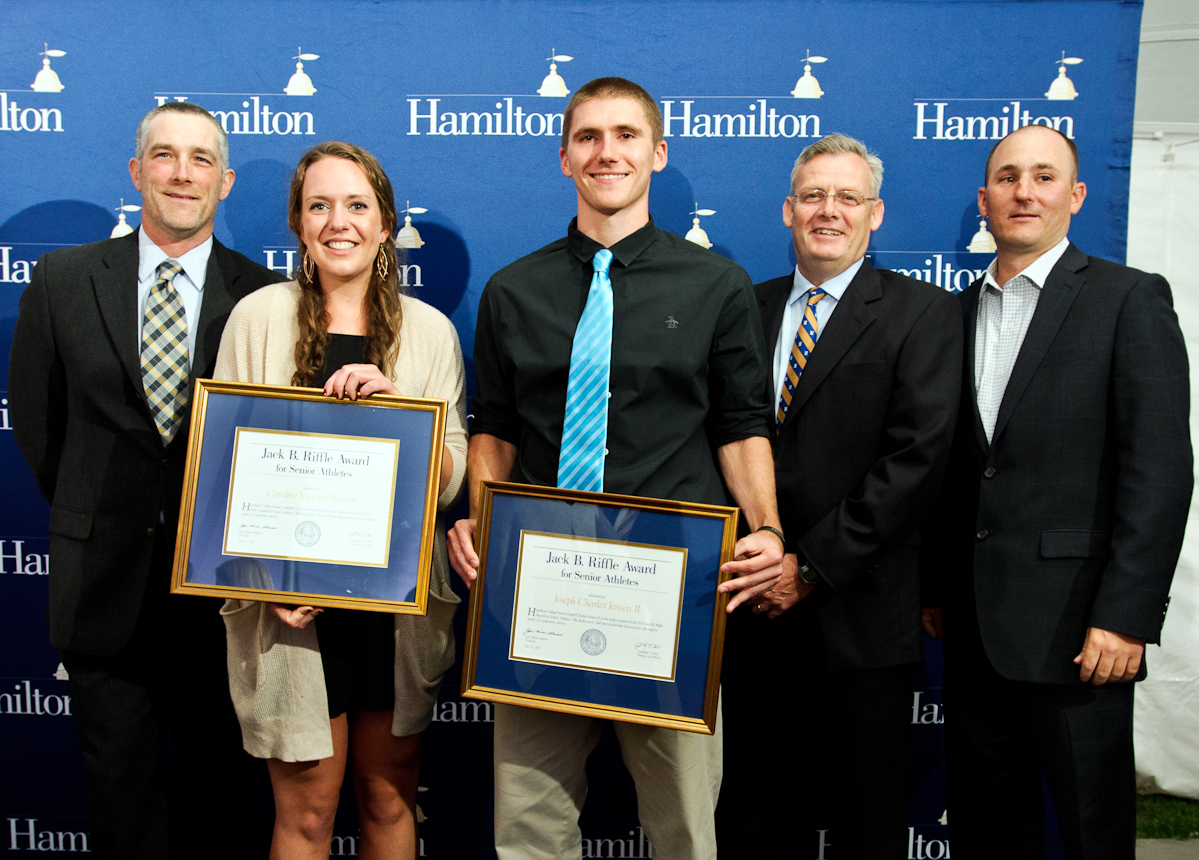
(81, 419)
(1073, 515)
(861, 454)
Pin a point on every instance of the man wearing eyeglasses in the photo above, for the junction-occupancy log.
(867, 367)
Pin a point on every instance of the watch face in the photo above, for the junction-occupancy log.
(808, 575)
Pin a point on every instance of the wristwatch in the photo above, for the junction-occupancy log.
(807, 573)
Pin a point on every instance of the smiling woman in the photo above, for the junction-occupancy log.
(342, 208)
(343, 324)
(341, 227)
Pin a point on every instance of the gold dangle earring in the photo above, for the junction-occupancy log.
(381, 264)
(308, 267)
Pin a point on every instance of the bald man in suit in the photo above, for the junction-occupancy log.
(1061, 519)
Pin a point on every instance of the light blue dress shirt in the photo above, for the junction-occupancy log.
(189, 283)
(1004, 314)
(793, 316)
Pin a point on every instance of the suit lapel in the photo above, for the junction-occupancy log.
(969, 301)
(850, 318)
(115, 284)
(1057, 296)
(222, 274)
(772, 300)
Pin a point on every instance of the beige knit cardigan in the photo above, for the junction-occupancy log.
(275, 674)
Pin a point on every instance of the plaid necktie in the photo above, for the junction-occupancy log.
(585, 431)
(805, 342)
(165, 369)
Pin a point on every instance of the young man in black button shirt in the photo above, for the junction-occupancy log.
(687, 408)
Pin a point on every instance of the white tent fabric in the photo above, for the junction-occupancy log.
(1163, 236)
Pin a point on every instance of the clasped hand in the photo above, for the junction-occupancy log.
(358, 380)
(758, 567)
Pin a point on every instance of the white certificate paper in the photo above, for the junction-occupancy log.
(311, 497)
(607, 606)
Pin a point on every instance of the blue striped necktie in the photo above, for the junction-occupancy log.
(585, 431)
(805, 342)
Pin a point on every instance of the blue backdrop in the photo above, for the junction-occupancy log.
(459, 100)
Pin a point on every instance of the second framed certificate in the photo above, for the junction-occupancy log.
(599, 604)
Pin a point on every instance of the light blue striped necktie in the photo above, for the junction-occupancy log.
(585, 431)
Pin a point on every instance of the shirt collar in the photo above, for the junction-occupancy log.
(834, 286)
(194, 262)
(624, 252)
(1037, 271)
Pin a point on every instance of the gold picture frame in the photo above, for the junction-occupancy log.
(294, 497)
(599, 604)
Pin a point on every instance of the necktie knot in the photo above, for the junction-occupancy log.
(168, 269)
(601, 261)
(816, 295)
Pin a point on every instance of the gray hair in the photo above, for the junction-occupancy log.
(841, 144)
(143, 128)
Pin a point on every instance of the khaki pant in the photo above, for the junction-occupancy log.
(541, 783)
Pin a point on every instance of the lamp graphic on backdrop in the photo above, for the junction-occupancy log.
(696, 234)
(122, 228)
(1062, 88)
(553, 86)
(47, 79)
(982, 242)
(300, 84)
(807, 87)
(407, 237)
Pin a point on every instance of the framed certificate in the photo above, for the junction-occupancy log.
(599, 604)
(295, 497)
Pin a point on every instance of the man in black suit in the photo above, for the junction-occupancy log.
(104, 429)
(866, 375)
(1061, 519)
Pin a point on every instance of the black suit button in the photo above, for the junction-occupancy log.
(981, 534)
(150, 532)
(989, 472)
(166, 464)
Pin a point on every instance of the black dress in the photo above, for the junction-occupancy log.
(357, 647)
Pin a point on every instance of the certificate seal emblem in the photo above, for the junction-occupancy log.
(307, 533)
(593, 642)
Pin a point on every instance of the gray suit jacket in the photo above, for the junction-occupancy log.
(81, 420)
(1073, 515)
